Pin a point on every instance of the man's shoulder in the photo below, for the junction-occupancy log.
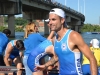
(34, 34)
(2, 34)
(74, 34)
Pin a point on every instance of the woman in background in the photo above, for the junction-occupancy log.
(32, 39)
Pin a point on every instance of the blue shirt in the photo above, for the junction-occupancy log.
(32, 41)
(15, 52)
(15, 49)
(69, 61)
(39, 51)
(3, 42)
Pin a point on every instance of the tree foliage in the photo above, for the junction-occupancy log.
(17, 28)
(2, 28)
(18, 21)
(90, 28)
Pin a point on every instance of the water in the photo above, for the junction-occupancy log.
(87, 37)
(20, 35)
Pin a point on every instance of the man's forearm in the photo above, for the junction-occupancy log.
(93, 66)
(51, 62)
(51, 35)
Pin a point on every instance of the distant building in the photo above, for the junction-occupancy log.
(40, 23)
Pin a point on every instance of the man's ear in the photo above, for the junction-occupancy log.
(62, 20)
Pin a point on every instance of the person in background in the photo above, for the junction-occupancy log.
(68, 47)
(26, 32)
(94, 47)
(3, 43)
(39, 52)
(36, 29)
(94, 44)
(32, 40)
(12, 54)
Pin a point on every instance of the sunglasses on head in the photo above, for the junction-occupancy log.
(52, 10)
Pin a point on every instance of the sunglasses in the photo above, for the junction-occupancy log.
(52, 10)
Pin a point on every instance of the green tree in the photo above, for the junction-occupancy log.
(5, 19)
(20, 21)
(90, 28)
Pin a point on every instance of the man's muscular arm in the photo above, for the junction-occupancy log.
(52, 61)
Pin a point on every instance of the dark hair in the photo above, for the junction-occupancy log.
(7, 32)
(64, 24)
(20, 44)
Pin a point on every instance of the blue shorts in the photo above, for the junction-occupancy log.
(14, 55)
(33, 59)
(1, 60)
(86, 69)
(31, 62)
(37, 54)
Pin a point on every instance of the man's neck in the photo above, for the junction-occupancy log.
(61, 33)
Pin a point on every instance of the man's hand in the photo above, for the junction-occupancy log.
(40, 67)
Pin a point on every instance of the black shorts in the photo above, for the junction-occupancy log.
(2, 61)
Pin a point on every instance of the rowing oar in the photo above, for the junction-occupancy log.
(7, 69)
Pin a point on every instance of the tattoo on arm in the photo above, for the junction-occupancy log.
(51, 62)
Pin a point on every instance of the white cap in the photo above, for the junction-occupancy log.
(95, 43)
(47, 20)
(58, 12)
